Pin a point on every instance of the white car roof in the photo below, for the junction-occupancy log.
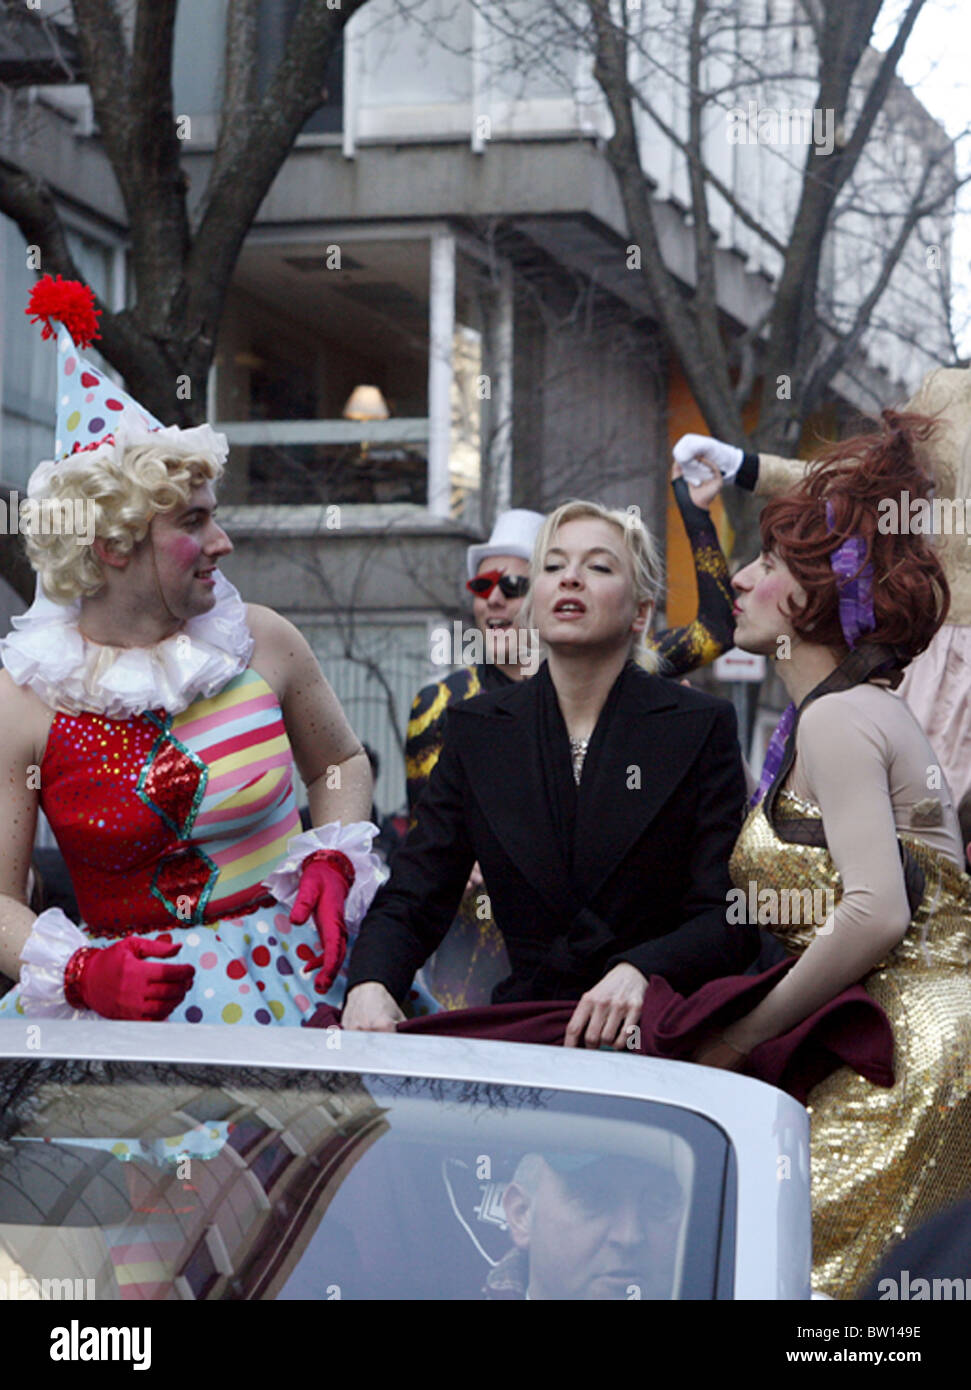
(768, 1129)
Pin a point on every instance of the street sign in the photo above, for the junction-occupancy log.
(736, 665)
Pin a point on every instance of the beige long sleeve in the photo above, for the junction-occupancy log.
(777, 474)
(862, 759)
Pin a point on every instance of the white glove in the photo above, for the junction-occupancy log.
(692, 448)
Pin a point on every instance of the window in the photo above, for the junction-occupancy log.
(271, 1163)
(199, 1270)
(245, 1134)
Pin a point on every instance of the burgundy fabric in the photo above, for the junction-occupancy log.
(850, 1030)
(541, 1022)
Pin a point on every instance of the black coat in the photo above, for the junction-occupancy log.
(649, 879)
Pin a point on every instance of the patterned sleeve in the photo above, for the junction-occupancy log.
(426, 729)
(683, 649)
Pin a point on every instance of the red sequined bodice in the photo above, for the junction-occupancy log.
(167, 822)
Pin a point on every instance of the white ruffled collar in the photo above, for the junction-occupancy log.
(47, 652)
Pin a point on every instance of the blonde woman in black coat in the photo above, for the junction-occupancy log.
(601, 801)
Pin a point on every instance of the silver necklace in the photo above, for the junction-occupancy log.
(578, 751)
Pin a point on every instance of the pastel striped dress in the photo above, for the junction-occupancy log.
(168, 824)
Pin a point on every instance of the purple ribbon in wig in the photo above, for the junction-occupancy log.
(856, 590)
(856, 617)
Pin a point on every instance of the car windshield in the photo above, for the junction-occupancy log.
(135, 1180)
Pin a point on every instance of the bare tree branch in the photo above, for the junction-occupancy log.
(698, 345)
(239, 82)
(28, 201)
(847, 342)
(181, 274)
(690, 152)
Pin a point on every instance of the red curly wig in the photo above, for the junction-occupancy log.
(911, 596)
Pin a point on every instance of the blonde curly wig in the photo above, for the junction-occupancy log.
(123, 494)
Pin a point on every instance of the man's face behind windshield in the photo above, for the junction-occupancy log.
(606, 1230)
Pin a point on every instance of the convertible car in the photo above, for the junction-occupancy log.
(169, 1161)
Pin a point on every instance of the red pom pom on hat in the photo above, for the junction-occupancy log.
(54, 301)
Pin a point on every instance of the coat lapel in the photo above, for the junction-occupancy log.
(500, 752)
(650, 746)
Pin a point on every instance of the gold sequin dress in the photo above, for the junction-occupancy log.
(883, 1160)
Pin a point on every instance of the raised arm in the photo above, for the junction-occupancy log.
(771, 474)
(763, 474)
(711, 632)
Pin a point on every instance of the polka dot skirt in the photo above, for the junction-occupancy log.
(247, 970)
(250, 970)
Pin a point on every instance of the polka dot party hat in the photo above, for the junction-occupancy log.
(96, 420)
(89, 406)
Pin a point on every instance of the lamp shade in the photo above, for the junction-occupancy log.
(366, 403)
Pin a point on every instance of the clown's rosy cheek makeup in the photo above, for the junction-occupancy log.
(182, 550)
(773, 589)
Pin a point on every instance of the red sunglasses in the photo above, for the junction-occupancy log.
(511, 585)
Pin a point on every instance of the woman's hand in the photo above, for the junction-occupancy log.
(370, 1008)
(704, 493)
(716, 1052)
(607, 1014)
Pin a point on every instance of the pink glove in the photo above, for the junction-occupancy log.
(124, 981)
(325, 881)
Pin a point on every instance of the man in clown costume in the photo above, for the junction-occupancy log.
(156, 719)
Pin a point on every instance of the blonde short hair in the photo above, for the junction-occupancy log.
(125, 493)
(641, 550)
